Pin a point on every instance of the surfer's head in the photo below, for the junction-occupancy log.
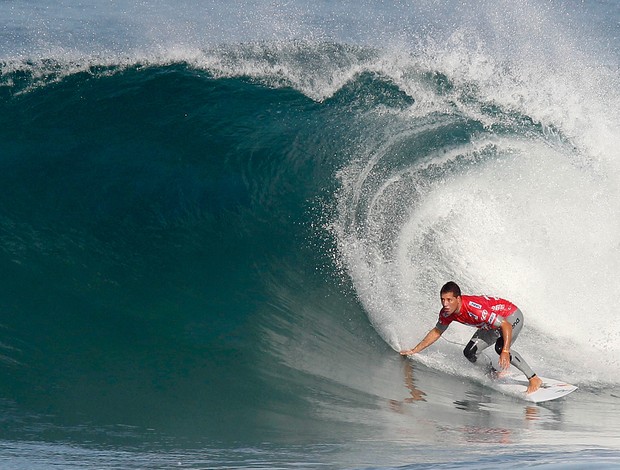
(451, 297)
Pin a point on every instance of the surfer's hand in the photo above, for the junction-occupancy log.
(406, 352)
(504, 360)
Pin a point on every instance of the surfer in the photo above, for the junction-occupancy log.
(498, 321)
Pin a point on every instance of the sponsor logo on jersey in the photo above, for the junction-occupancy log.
(484, 315)
(474, 304)
(498, 307)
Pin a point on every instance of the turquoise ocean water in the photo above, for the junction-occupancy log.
(219, 221)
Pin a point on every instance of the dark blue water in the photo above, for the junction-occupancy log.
(219, 222)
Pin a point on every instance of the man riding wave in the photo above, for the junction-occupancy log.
(497, 321)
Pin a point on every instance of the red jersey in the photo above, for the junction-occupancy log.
(480, 311)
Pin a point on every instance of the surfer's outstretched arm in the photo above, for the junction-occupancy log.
(429, 339)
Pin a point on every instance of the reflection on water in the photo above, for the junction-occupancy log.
(415, 394)
(464, 410)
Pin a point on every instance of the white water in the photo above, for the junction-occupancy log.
(533, 217)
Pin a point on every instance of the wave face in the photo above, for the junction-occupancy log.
(215, 233)
(148, 215)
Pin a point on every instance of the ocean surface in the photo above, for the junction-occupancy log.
(221, 221)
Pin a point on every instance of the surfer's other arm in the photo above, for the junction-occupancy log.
(504, 355)
(429, 339)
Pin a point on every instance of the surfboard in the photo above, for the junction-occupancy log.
(550, 389)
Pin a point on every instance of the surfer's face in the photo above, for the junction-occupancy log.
(450, 303)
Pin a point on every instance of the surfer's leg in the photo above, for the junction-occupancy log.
(516, 319)
(481, 340)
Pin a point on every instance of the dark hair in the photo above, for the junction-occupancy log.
(452, 287)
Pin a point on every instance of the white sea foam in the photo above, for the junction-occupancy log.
(531, 215)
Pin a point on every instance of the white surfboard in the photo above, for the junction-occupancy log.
(550, 389)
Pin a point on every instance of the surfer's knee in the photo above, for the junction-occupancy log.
(470, 351)
(499, 345)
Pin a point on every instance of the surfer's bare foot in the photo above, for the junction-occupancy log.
(535, 383)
